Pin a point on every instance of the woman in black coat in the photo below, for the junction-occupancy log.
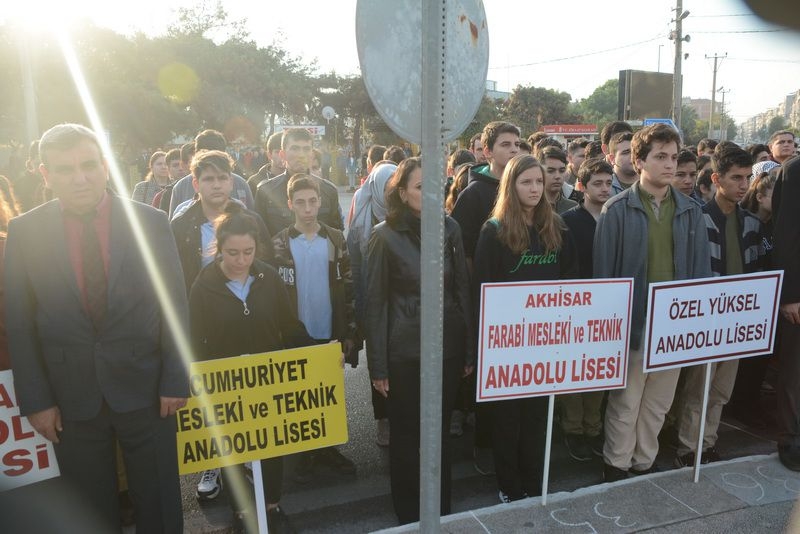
(393, 331)
(239, 305)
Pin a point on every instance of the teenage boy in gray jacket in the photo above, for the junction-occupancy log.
(652, 233)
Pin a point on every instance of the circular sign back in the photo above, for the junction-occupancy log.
(389, 37)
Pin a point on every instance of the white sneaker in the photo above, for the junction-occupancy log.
(209, 486)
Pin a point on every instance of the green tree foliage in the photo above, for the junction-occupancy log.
(775, 124)
(601, 106)
(488, 111)
(530, 108)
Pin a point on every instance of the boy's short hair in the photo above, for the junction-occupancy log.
(552, 152)
(593, 166)
(593, 150)
(274, 141)
(300, 182)
(173, 155)
(728, 155)
(618, 138)
(187, 152)
(704, 178)
(493, 130)
(210, 140)
(296, 134)
(216, 159)
(706, 144)
(686, 156)
(643, 140)
(612, 128)
(577, 144)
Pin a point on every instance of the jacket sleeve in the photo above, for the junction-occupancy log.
(570, 269)
(33, 390)
(358, 276)
(463, 294)
(197, 327)
(607, 240)
(701, 267)
(786, 254)
(464, 212)
(266, 247)
(486, 267)
(138, 192)
(377, 307)
(174, 380)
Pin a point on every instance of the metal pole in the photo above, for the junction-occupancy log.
(677, 97)
(699, 453)
(433, 169)
(28, 89)
(713, 98)
(547, 445)
(261, 502)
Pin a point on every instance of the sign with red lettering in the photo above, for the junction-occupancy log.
(542, 338)
(711, 319)
(25, 455)
(570, 129)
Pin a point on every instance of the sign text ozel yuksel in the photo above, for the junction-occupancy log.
(713, 319)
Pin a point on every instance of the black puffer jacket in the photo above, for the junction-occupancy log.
(393, 296)
(220, 327)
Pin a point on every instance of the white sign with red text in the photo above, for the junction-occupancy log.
(25, 455)
(711, 319)
(542, 338)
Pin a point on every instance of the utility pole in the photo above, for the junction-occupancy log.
(713, 90)
(677, 36)
(723, 131)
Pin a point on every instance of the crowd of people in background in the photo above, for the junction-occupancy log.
(259, 257)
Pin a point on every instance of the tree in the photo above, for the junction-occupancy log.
(488, 111)
(775, 124)
(600, 107)
(530, 108)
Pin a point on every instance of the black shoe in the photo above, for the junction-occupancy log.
(332, 458)
(639, 472)
(577, 447)
(612, 474)
(789, 456)
(710, 455)
(596, 444)
(278, 521)
(668, 438)
(304, 468)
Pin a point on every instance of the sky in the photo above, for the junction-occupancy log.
(572, 46)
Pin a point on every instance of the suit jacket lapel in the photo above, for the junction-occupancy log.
(120, 239)
(60, 251)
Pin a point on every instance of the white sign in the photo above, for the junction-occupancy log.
(25, 455)
(313, 129)
(711, 319)
(542, 338)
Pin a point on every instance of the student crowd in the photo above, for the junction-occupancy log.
(263, 264)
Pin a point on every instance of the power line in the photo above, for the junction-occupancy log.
(721, 16)
(761, 60)
(745, 31)
(579, 55)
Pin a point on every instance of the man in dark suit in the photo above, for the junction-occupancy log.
(92, 344)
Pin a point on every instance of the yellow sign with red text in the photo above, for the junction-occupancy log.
(252, 407)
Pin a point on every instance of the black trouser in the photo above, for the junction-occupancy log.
(404, 419)
(518, 439)
(239, 489)
(87, 460)
(379, 408)
(749, 377)
(788, 387)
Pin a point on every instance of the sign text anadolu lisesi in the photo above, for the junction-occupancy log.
(260, 406)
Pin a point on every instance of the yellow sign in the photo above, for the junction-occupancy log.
(259, 406)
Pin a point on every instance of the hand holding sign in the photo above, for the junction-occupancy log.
(47, 423)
